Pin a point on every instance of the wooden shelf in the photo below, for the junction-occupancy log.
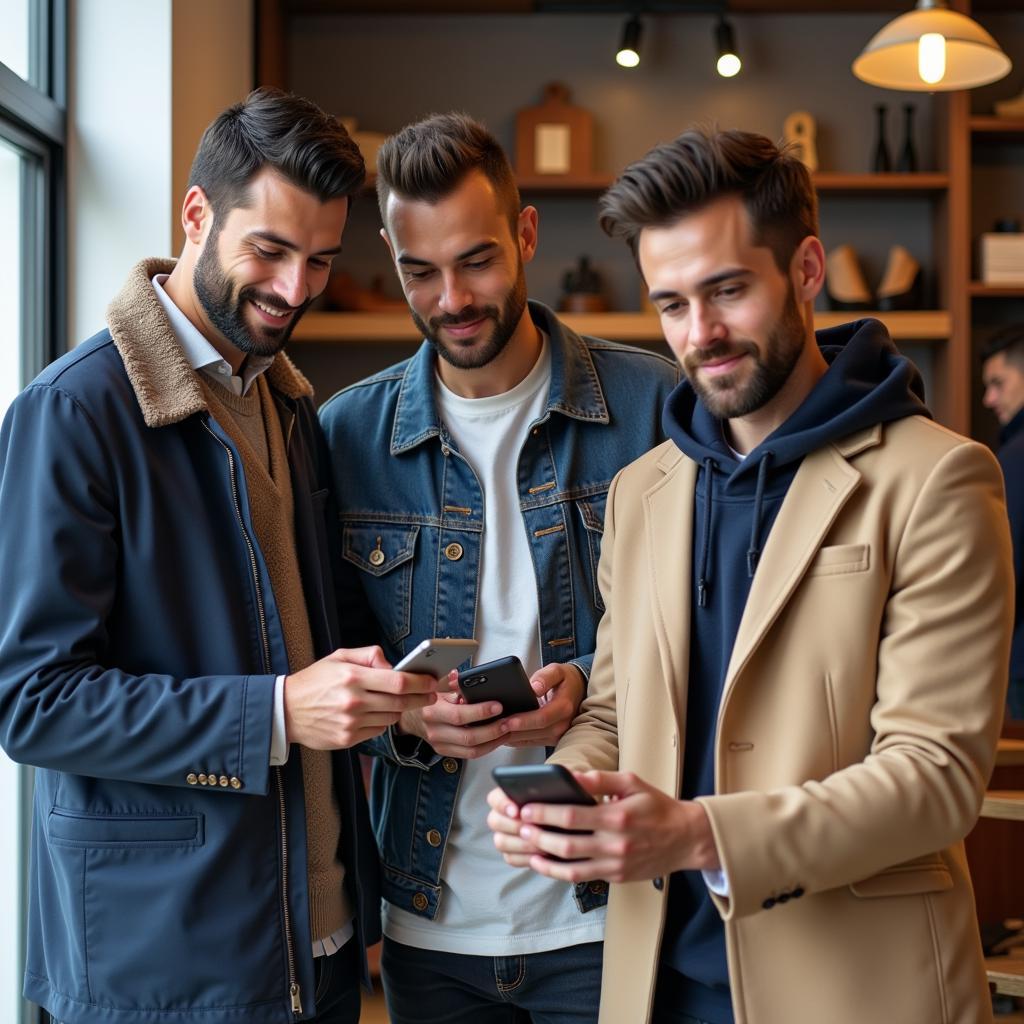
(1009, 752)
(874, 184)
(1006, 804)
(989, 128)
(980, 290)
(911, 325)
(551, 185)
(1006, 973)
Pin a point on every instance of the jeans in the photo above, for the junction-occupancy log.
(337, 986)
(561, 986)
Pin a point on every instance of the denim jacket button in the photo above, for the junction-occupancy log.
(445, 450)
(453, 552)
(450, 765)
(434, 837)
(191, 778)
(376, 557)
(419, 901)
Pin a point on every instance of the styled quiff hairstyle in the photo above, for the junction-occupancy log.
(703, 164)
(269, 128)
(1009, 341)
(428, 160)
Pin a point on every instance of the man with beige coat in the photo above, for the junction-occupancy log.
(800, 672)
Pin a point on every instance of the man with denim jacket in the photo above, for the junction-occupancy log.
(473, 489)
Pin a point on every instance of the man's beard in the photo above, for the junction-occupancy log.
(771, 370)
(506, 320)
(226, 310)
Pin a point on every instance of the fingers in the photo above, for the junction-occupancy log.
(446, 712)
(546, 679)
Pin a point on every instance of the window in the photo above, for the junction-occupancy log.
(32, 136)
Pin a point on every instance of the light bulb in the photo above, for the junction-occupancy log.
(728, 65)
(931, 57)
(627, 58)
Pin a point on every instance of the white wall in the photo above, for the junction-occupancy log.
(144, 80)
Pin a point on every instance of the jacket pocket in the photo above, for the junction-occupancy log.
(591, 512)
(925, 874)
(121, 831)
(841, 558)
(383, 553)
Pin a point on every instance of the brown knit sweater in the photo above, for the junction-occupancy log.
(253, 423)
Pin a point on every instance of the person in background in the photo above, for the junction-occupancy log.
(472, 481)
(201, 848)
(1002, 374)
(799, 678)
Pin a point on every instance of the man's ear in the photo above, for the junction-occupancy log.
(526, 230)
(387, 242)
(196, 215)
(807, 269)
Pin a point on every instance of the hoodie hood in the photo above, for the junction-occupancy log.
(867, 383)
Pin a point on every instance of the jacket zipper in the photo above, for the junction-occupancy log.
(294, 992)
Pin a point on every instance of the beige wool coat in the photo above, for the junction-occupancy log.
(856, 732)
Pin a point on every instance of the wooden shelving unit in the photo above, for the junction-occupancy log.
(980, 290)
(910, 325)
(1005, 804)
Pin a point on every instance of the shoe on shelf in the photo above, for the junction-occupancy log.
(845, 287)
(901, 286)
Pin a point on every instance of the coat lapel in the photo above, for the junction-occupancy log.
(668, 516)
(822, 486)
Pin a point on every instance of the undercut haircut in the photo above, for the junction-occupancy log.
(703, 164)
(428, 160)
(288, 134)
(1009, 341)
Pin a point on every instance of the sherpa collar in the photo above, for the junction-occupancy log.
(166, 387)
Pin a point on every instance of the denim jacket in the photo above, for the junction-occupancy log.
(411, 524)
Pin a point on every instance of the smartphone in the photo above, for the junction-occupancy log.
(543, 784)
(540, 784)
(437, 657)
(505, 681)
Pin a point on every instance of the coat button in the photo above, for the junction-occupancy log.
(445, 450)
(450, 765)
(598, 888)
(453, 552)
(202, 778)
(223, 780)
(783, 897)
(768, 903)
(236, 783)
(191, 778)
(658, 883)
(797, 892)
(434, 837)
(419, 901)
(376, 557)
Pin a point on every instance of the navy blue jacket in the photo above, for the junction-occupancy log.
(139, 644)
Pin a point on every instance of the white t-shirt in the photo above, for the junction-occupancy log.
(488, 908)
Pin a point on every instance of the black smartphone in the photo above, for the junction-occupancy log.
(505, 681)
(540, 784)
(543, 784)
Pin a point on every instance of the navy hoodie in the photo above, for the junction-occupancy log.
(735, 504)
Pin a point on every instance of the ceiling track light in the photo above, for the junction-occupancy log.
(931, 49)
(629, 48)
(729, 62)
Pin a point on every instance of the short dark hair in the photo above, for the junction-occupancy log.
(428, 160)
(703, 164)
(1009, 341)
(286, 133)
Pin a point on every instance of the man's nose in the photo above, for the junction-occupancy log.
(455, 296)
(292, 285)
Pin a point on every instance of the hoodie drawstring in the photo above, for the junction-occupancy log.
(754, 551)
(705, 540)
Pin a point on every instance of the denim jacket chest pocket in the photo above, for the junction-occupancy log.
(591, 511)
(383, 553)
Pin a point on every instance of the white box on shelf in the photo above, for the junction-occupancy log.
(1002, 258)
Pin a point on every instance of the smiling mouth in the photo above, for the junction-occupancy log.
(274, 315)
(464, 330)
(722, 366)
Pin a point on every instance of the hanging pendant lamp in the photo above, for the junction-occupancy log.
(931, 49)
